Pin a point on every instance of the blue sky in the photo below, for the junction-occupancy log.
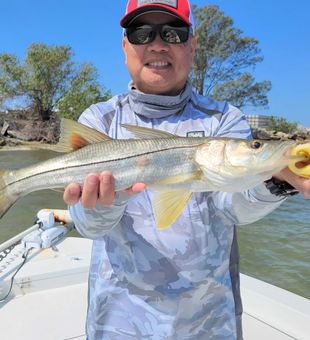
(92, 29)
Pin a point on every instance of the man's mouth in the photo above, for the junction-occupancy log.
(158, 64)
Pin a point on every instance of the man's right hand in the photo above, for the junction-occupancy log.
(96, 188)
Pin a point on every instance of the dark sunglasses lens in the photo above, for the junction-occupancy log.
(174, 35)
(140, 35)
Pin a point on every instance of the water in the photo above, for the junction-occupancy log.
(275, 249)
(22, 215)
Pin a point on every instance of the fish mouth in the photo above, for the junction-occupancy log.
(297, 158)
(283, 156)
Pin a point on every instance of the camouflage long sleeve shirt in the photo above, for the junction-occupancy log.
(182, 282)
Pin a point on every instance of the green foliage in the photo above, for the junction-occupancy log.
(84, 91)
(222, 59)
(243, 91)
(11, 75)
(281, 125)
(47, 76)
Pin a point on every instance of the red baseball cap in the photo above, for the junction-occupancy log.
(178, 8)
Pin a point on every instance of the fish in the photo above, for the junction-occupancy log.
(174, 167)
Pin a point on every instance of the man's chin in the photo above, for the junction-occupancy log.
(159, 87)
(161, 90)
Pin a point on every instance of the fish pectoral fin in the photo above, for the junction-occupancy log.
(147, 133)
(60, 190)
(181, 178)
(74, 136)
(302, 150)
(168, 205)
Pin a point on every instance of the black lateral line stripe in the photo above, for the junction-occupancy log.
(101, 162)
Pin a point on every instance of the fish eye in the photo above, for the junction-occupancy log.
(256, 144)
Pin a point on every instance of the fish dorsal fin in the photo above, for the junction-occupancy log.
(74, 136)
(147, 133)
(168, 205)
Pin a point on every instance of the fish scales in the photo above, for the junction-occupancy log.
(129, 160)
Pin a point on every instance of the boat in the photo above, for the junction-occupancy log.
(43, 289)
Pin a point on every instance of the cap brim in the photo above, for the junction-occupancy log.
(128, 18)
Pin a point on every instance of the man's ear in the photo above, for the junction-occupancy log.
(124, 46)
(193, 44)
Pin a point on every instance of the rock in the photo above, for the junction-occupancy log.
(267, 135)
(4, 128)
(19, 135)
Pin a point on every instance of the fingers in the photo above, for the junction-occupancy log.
(106, 188)
(300, 183)
(72, 194)
(90, 191)
(135, 189)
(96, 188)
(138, 187)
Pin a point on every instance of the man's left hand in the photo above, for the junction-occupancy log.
(299, 183)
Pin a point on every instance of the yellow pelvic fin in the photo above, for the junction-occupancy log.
(181, 178)
(301, 150)
(147, 133)
(168, 205)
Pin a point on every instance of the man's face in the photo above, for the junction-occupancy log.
(159, 67)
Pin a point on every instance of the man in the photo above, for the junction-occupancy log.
(183, 282)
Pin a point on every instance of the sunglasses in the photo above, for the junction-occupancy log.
(145, 34)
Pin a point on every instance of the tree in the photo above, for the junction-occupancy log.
(279, 124)
(84, 91)
(46, 76)
(10, 77)
(243, 91)
(222, 59)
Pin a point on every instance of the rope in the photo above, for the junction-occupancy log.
(25, 256)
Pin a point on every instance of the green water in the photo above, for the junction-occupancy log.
(275, 249)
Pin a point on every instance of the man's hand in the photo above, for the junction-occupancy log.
(299, 183)
(96, 188)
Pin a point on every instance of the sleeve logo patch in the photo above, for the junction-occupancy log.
(195, 134)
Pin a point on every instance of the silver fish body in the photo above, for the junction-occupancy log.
(130, 161)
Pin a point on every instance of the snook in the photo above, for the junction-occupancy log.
(173, 166)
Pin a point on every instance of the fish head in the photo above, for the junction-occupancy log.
(237, 163)
(257, 156)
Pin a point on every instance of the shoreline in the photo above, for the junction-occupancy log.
(20, 126)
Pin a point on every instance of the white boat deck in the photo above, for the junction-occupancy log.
(49, 299)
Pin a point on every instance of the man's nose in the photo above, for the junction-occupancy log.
(158, 45)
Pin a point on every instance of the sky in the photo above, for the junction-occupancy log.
(91, 28)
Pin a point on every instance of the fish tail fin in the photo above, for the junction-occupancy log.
(6, 199)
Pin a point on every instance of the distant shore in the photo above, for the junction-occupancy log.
(17, 126)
